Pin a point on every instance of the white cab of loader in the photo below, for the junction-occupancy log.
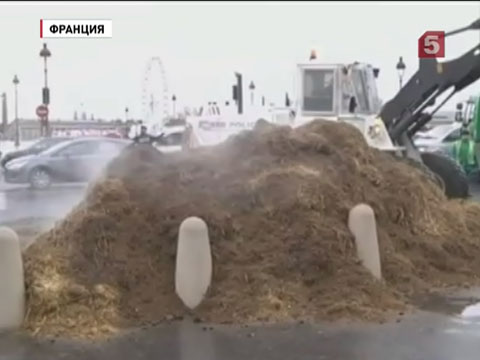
(335, 92)
(339, 92)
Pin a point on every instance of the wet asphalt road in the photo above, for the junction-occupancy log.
(18, 203)
(424, 336)
(437, 334)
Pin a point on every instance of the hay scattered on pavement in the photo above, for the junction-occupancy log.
(276, 201)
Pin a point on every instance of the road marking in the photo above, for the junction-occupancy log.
(3, 201)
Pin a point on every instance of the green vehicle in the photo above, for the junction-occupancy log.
(466, 150)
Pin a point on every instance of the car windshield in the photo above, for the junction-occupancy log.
(173, 139)
(45, 144)
(79, 148)
(438, 132)
(111, 148)
(52, 149)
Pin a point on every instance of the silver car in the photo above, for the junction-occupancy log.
(438, 138)
(77, 160)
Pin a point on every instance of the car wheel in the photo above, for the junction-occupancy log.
(40, 178)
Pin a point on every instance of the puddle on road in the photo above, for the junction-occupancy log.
(464, 304)
(462, 309)
(471, 312)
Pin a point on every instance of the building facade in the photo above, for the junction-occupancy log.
(30, 129)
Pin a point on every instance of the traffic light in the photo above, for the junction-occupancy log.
(235, 92)
(239, 92)
(46, 96)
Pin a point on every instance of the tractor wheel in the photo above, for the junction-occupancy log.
(453, 176)
(426, 170)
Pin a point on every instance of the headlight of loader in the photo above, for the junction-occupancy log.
(374, 131)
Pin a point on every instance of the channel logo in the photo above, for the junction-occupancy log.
(51, 29)
(432, 45)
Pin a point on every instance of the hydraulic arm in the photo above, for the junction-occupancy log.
(405, 114)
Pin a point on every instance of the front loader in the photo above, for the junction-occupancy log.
(348, 93)
(406, 113)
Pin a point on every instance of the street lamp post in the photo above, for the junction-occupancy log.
(45, 53)
(126, 114)
(252, 89)
(4, 122)
(17, 126)
(401, 70)
(174, 100)
(83, 114)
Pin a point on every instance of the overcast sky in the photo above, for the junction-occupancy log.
(201, 45)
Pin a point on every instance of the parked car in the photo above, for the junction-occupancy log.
(36, 148)
(438, 138)
(75, 160)
(172, 140)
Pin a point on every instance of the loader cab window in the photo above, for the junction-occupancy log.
(318, 90)
(360, 92)
(348, 94)
(173, 139)
(371, 90)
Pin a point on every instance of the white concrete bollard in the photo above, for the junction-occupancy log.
(193, 272)
(12, 286)
(361, 222)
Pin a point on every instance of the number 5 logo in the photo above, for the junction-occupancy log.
(432, 45)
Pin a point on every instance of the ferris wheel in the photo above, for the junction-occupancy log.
(155, 100)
